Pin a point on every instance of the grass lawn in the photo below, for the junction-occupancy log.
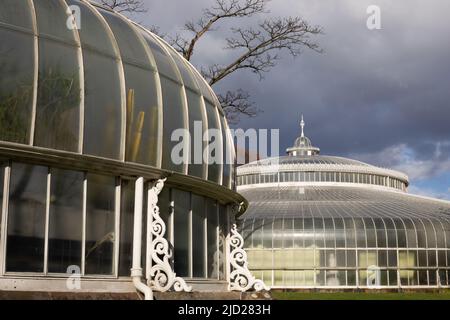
(278, 295)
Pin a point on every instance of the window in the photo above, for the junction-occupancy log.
(172, 105)
(100, 224)
(26, 218)
(140, 79)
(59, 94)
(102, 98)
(212, 229)
(16, 82)
(181, 231)
(214, 166)
(223, 232)
(126, 227)
(65, 220)
(198, 236)
(196, 107)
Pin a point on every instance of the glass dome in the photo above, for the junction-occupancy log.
(328, 222)
(107, 88)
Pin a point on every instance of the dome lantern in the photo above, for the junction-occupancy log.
(302, 145)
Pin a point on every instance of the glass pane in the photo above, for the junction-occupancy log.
(58, 112)
(297, 233)
(181, 232)
(214, 133)
(319, 233)
(164, 63)
(26, 218)
(126, 227)
(431, 236)
(277, 235)
(52, 19)
(185, 71)
(16, 12)
(227, 153)
(142, 116)
(197, 128)
(100, 224)
(198, 236)
(173, 105)
(102, 101)
(93, 32)
(16, 85)
(131, 47)
(212, 221)
(65, 221)
(223, 232)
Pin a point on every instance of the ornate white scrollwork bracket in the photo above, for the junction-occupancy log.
(240, 277)
(161, 276)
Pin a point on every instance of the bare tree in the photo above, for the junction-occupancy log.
(257, 48)
(125, 6)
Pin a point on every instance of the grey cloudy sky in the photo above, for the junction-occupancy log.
(380, 96)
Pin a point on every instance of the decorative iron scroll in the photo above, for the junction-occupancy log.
(241, 278)
(162, 276)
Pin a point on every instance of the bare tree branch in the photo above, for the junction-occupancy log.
(220, 10)
(237, 103)
(259, 48)
(125, 6)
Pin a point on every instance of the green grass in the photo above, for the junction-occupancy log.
(278, 295)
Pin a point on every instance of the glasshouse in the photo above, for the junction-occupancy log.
(88, 103)
(328, 222)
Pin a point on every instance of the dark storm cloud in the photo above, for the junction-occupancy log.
(369, 93)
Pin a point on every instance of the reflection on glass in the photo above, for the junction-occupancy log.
(223, 231)
(294, 265)
(172, 105)
(102, 101)
(212, 224)
(65, 221)
(26, 218)
(196, 119)
(216, 154)
(181, 232)
(100, 224)
(126, 227)
(142, 115)
(58, 104)
(16, 12)
(16, 85)
(52, 20)
(198, 236)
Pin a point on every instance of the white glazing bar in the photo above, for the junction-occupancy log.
(36, 71)
(4, 219)
(83, 235)
(117, 202)
(190, 241)
(47, 220)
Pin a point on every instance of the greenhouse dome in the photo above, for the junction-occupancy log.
(89, 102)
(318, 221)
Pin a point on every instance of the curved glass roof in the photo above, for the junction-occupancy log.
(330, 160)
(346, 237)
(340, 201)
(103, 86)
